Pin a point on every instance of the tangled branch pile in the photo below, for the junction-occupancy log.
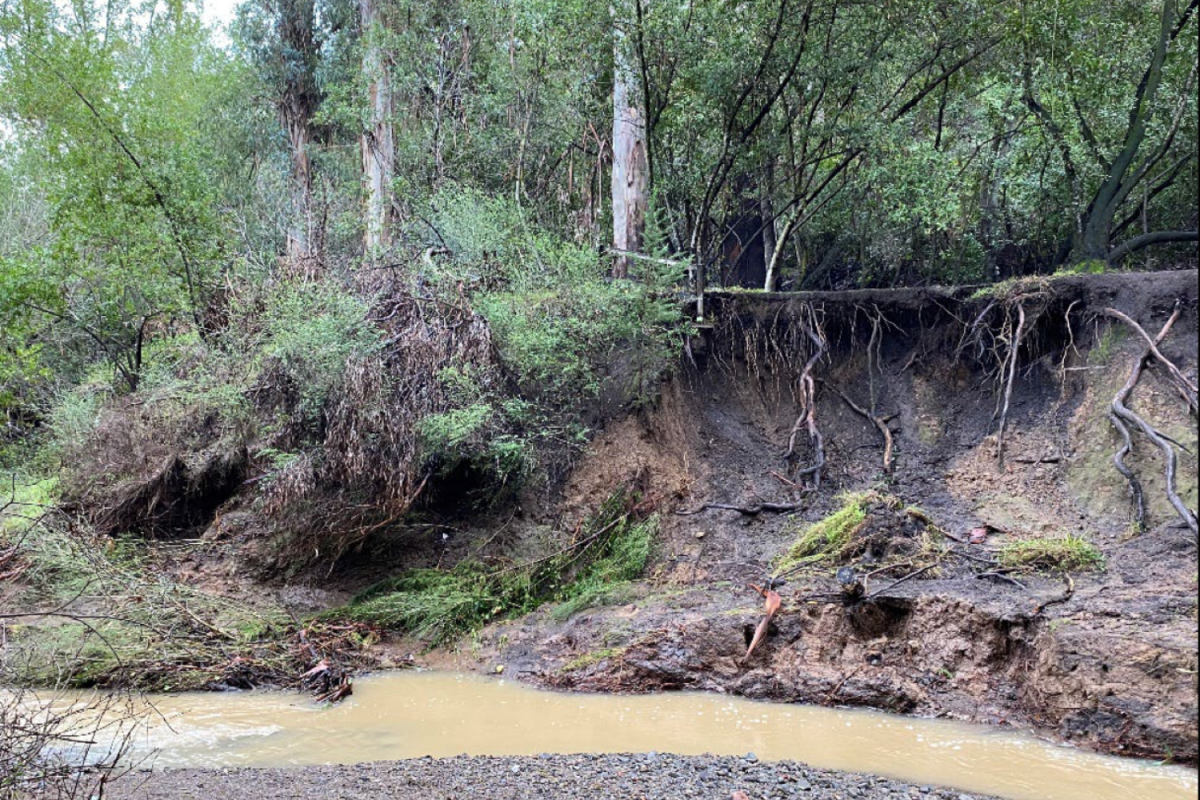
(413, 409)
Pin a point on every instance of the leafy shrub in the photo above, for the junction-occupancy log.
(313, 329)
(562, 328)
(440, 605)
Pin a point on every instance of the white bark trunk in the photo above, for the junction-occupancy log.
(378, 141)
(629, 171)
(766, 211)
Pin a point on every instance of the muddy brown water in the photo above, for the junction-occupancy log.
(412, 714)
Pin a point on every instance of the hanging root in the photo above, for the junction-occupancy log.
(806, 386)
(881, 425)
(1010, 368)
(1135, 486)
(1123, 418)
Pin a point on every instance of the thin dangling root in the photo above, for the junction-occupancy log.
(1011, 368)
(881, 425)
(807, 420)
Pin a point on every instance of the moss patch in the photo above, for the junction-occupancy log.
(594, 657)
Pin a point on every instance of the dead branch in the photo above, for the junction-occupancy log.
(907, 577)
(750, 511)
(1001, 576)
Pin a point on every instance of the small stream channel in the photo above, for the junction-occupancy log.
(413, 714)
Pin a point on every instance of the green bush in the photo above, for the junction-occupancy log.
(313, 329)
(561, 326)
(439, 605)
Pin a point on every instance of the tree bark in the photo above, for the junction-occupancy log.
(299, 100)
(629, 170)
(377, 141)
(1147, 239)
(767, 215)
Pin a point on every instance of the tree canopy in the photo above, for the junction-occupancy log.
(788, 144)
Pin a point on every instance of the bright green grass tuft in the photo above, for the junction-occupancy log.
(1068, 553)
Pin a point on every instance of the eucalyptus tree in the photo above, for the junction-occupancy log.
(377, 141)
(630, 157)
(284, 41)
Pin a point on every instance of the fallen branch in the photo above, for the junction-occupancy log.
(750, 511)
(907, 577)
(999, 575)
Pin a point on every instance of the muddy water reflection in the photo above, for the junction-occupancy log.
(410, 714)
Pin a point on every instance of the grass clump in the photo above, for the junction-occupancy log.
(439, 605)
(825, 539)
(1068, 553)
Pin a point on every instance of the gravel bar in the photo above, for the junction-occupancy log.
(559, 777)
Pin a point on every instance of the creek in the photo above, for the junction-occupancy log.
(413, 714)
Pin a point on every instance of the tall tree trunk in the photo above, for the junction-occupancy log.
(629, 171)
(766, 212)
(377, 142)
(296, 22)
(301, 233)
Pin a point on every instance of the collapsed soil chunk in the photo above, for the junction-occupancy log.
(869, 528)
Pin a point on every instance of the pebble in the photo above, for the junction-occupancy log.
(652, 776)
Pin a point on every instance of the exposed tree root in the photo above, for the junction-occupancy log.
(1011, 370)
(1186, 388)
(1122, 417)
(880, 423)
(807, 420)
(1135, 486)
(1062, 598)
